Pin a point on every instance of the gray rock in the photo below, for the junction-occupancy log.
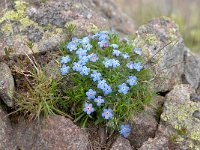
(177, 119)
(196, 114)
(121, 144)
(6, 85)
(194, 97)
(44, 25)
(5, 131)
(192, 69)
(56, 132)
(163, 49)
(158, 143)
(144, 126)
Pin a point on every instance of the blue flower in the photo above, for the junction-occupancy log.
(75, 39)
(130, 65)
(64, 69)
(132, 80)
(84, 70)
(125, 130)
(83, 60)
(125, 56)
(65, 59)
(91, 94)
(99, 100)
(115, 63)
(116, 52)
(72, 46)
(137, 66)
(101, 84)
(123, 88)
(107, 89)
(95, 35)
(85, 40)
(81, 52)
(103, 36)
(93, 57)
(115, 46)
(108, 62)
(87, 46)
(137, 51)
(76, 66)
(96, 76)
(107, 113)
(88, 108)
(103, 44)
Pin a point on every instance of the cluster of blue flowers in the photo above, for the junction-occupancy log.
(81, 48)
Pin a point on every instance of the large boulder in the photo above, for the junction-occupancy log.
(179, 120)
(56, 132)
(32, 27)
(6, 85)
(163, 49)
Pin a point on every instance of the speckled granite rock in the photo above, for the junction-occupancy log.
(32, 27)
(5, 131)
(6, 85)
(144, 126)
(178, 117)
(167, 63)
(158, 143)
(192, 68)
(121, 144)
(56, 132)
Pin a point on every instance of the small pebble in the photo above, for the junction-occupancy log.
(194, 97)
(196, 114)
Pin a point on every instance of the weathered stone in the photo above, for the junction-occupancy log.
(194, 97)
(158, 143)
(178, 120)
(33, 28)
(121, 144)
(5, 132)
(56, 132)
(196, 114)
(164, 50)
(6, 85)
(192, 69)
(144, 126)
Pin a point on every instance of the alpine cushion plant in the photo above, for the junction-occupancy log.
(109, 81)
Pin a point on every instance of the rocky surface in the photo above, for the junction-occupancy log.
(6, 85)
(164, 49)
(180, 117)
(144, 126)
(56, 132)
(121, 144)
(192, 68)
(32, 27)
(5, 131)
(157, 143)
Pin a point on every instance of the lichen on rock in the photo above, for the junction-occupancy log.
(177, 113)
